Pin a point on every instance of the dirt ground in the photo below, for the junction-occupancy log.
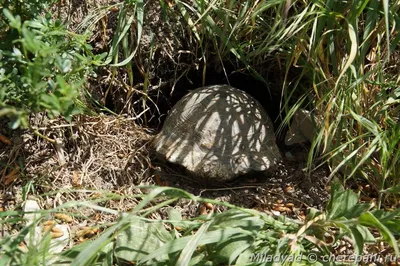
(95, 156)
(111, 154)
(107, 159)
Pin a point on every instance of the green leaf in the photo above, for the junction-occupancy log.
(359, 209)
(228, 251)
(66, 65)
(192, 245)
(352, 55)
(390, 219)
(140, 239)
(312, 213)
(366, 234)
(15, 22)
(368, 219)
(17, 52)
(15, 124)
(369, 125)
(246, 254)
(51, 102)
(29, 40)
(385, 216)
(237, 219)
(358, 240)
(210, 237)
(394, 190)
(122, 30)
(175, 218)
(174, 214)
(341, 203)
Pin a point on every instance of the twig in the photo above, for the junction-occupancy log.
(37, 133)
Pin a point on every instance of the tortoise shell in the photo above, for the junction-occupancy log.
(218, 133)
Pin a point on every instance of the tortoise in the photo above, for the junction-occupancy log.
(218, 133)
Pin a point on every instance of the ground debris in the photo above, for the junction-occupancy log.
(105, 158)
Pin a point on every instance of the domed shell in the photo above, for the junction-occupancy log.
(218, 133)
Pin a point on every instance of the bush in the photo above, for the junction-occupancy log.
(43, 70)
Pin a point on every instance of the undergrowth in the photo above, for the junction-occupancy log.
(44, 68)
(348, 57)
(235, 237)
(347, 54)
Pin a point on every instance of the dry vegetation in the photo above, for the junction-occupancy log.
(86, 169)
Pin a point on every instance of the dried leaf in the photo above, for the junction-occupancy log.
(57, 235)
(178, 228)
(87, 232)
(12, 176)
(289, 189)
(76, 181)
(158, 180)
(208, 205)
(56, 230)
(203, 210)
(5, 140)
(63, 217)
(49, 223)
(46, 229)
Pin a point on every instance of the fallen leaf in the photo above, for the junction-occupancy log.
(56, 230)
(96, 195)
(289, 205)
(159, 182)
(57, 235)
(11, 177)
(170, 3)
(46, 228)
(203, 210)
(208, 205)
(5, 140)
(86, 233)
(76, 181)
(49, 223)
(63, 217)
(289, 189)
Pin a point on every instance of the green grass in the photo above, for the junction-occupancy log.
(346, 54)
(44, 69)
(238, 236)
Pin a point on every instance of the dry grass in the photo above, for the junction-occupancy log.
(105, 158)
(92, 175)
(94, 158)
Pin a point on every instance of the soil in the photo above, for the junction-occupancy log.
(107, 159)
(112, 154)
(95, 156)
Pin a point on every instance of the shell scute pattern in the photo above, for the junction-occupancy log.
(218, 132)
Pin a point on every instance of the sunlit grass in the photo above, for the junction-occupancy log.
(234, 236)
(341, 50)
(344, 54)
